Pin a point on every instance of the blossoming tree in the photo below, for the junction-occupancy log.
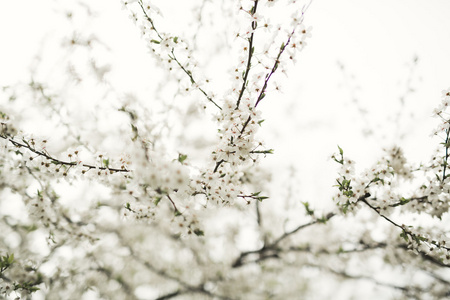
(108, 193)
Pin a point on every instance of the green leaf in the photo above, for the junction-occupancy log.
(199, 232)
(6, 261)
(106, 162)
(155, 42)
(419, 239)
(157, 200)
(182, 157)
(322, 220)
(348, 193)
(30, 228)
(268, 151)
(338, 161)
(404, 236)
(309, 211)
(175, 39)
(404, 201)
(10, 259)
(345, 207)
(346, 184)
(341, 152)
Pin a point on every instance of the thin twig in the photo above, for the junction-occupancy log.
(250, 54)
(189, 73)
(271, 250)
(57, 161)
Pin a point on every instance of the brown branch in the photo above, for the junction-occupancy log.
(250, 54)
(218, 165)
(300, 227)
(405, 231)
(199, 289)
(272, 250)
(274, 68)
(446, 145)
(177, 212)
(408, 290)
(170, 295)
(189, 73)
(268, 76)
(55, 160)
(277, 60)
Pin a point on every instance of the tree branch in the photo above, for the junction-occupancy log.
(272, 250)
(250, 54)
(55, 160)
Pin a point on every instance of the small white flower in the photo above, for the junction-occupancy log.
(305, 32)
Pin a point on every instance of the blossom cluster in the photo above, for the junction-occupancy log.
(116, 225)
(148, 182)
(171, 52)
(353, 188)
(386, 189)
(36, 157)
(18, 277)
(237, 133)
(238, 119)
